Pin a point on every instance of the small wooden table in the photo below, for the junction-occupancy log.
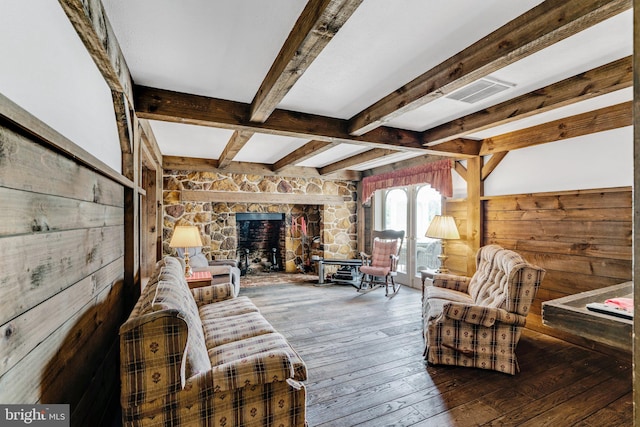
(425, 275)
(199, 279)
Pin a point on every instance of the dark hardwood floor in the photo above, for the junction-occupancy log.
(364, 358)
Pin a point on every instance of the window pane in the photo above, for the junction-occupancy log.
(428, 205)
(395, 218)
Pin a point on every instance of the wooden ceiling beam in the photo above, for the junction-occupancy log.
(265, 198)
(601, 120)
(538, 28)
(491, 164)
(358, 159)
(90, 22)
(460, 148)
(318, 23)
(599, 81)
(310, 149)
(235, 144)
(177, 107)
(211, 165)
(461, 170)
(402, 164)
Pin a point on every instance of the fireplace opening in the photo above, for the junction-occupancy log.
(261, 242)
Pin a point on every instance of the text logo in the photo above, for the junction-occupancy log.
(34, 415)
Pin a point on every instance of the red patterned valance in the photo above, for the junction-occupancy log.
(437, 174)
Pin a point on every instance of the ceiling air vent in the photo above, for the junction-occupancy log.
(479, 90)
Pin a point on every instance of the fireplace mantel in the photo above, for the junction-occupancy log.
(264, 198)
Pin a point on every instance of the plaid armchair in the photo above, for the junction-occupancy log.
(477, 321)
(205, 358)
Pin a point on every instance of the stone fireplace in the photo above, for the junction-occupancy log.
(192, 198)
(261, 241)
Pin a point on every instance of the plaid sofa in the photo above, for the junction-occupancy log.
(203, 357)
(477, 321)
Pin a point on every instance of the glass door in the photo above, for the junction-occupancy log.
(395, 218)
(411, 209)
(428, 203)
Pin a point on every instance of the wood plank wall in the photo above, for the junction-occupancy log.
(61, 289)
(458, 251)
(581, 238)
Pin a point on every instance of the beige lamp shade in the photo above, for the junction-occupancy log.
(186, 236)
(442, 227)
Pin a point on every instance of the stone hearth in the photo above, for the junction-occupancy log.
(331, 228)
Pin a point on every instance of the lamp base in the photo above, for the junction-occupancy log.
(187, 267)
(442, 269)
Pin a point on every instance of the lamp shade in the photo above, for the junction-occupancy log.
(186, 236)
(442, 227)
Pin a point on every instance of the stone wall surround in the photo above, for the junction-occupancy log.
(335, 225)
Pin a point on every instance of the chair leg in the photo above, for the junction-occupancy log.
(362, 282)
(393, 285)
(371, 284)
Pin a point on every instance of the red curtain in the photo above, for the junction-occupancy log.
(437, 174)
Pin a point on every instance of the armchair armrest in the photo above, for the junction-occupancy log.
(481, 315)
(452, 281)
(213, 293)
(262, 368)
(229, 262)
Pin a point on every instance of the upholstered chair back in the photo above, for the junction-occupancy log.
(509, 283)
(485, 271)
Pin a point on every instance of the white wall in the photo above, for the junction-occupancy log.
(48, 72)
(600, 160)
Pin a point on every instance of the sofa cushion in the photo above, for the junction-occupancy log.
(448, 294)
(172, 293)
(222, 330)
(230, 307)
(251, 346)
(382, 251)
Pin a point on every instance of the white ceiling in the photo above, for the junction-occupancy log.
(223, 49)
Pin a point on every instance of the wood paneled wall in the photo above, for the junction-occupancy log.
(581, 238)
(458, 251)
(61, 288)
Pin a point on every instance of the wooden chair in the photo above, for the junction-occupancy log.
(382, 263)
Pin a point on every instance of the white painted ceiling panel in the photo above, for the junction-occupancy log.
(386, 44)
(613, 98)
(596, 46)
(265, 148)
(225, 49)
(334, 154)
(221, 49)
(177, 139)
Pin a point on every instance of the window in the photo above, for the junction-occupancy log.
(411, 209)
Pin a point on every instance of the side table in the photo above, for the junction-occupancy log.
(199, 279)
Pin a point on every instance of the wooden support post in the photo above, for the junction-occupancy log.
(636, 209)
(131, 169)
(475, 190)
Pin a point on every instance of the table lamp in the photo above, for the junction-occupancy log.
(186, 236)
(442, 227)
